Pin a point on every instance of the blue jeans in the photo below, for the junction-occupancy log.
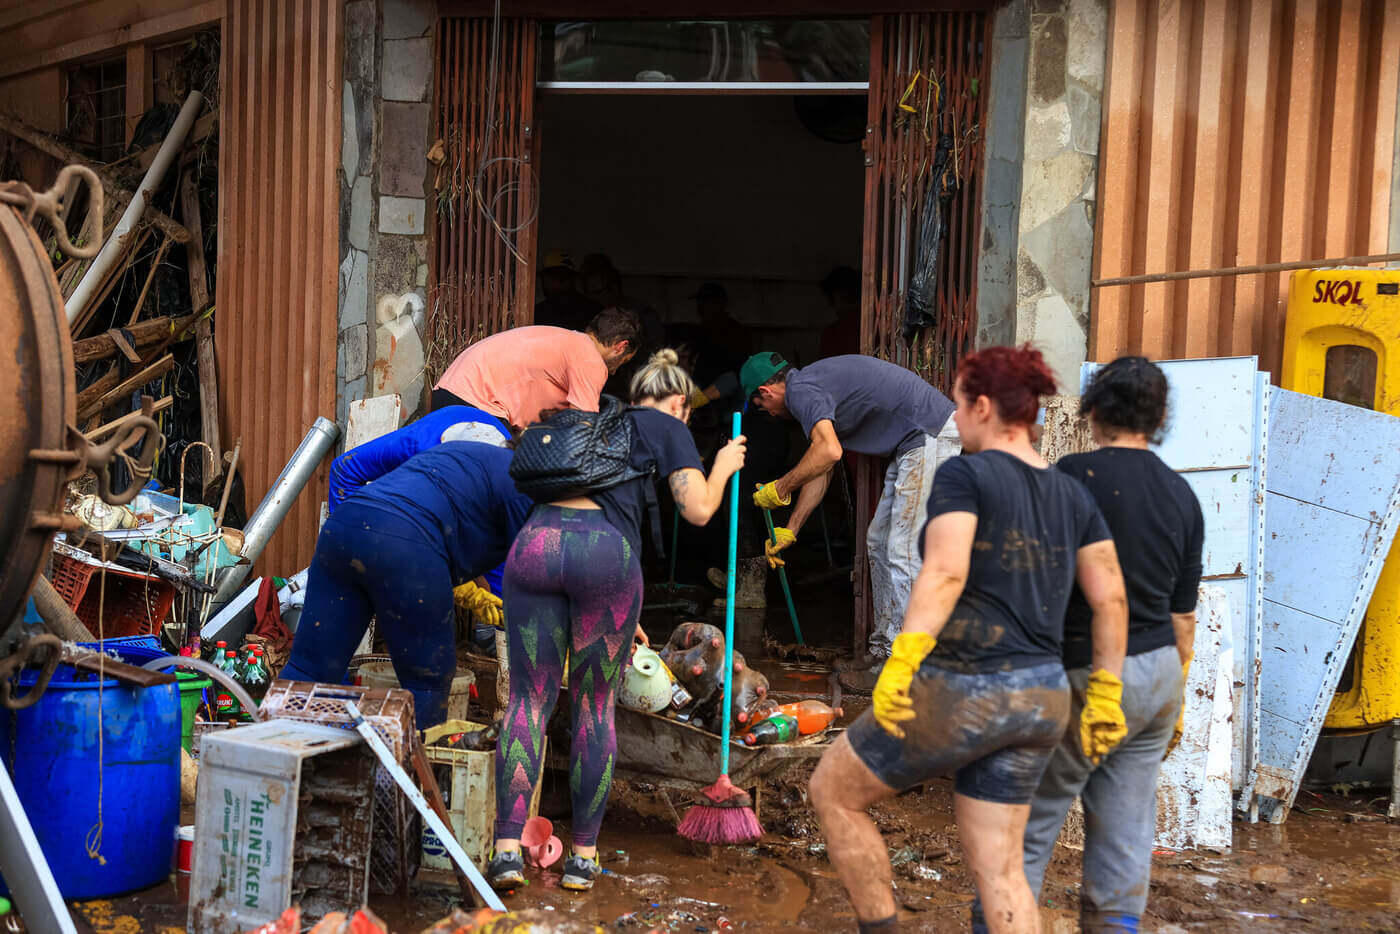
(368, 562)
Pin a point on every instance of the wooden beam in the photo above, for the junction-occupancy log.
(139, 90)
(99, 387)
(116, 423)
(203, 329)
(157, 27)
(144, 334)
(119, 196)
(129, 385)
(644, 9)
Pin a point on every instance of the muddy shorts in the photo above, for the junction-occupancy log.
(993, 731)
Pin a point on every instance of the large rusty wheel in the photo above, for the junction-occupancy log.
(37, 399)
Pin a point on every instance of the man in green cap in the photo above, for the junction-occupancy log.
(869, 406)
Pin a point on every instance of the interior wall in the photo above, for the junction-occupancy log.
(681, 190)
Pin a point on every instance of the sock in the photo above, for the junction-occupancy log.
(888, 925)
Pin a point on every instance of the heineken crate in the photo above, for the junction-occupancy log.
(283, 816)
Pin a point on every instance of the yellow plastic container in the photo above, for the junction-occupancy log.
(1342, 341)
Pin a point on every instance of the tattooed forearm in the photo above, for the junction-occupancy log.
(680, 484)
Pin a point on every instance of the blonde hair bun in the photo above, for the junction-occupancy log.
(661, 377)
(666, 356)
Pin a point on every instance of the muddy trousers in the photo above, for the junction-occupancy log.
(573, 586)
(1120, 796)
(892, 541)
(371, 562)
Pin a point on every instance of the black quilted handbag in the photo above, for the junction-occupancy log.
(575, 453)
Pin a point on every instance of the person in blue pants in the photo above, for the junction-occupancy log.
(396, 549)
(362, 465)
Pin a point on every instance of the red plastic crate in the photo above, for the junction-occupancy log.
(136, 604)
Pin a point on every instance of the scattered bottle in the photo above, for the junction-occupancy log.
(216, 654)
(776, 729)
(255, 678)
(812, 716)
(226, 706)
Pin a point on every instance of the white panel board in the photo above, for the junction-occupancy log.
(1333, 499)
(1217, 422)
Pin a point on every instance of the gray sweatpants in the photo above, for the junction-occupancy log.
(1120, 795)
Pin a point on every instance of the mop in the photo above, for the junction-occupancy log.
(728, 817)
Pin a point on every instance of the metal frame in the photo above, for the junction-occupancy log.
(785, 88)
(26, 871)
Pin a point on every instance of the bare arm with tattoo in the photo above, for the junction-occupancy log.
(697, 496)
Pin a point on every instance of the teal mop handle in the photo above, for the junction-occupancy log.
(729, 607)
(782, 577)
(675, 537)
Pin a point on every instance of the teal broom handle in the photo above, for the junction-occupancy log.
(729, 607)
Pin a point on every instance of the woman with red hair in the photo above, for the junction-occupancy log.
(975, 685)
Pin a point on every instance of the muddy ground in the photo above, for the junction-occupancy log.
(1333, 866)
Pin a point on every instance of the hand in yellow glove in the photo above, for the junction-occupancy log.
(698, 399)
(485, 607)
(781, 539)
(1101, 723)
(1181, 714)
(890, 703)
(767, 496)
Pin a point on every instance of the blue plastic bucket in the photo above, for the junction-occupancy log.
(51, 752)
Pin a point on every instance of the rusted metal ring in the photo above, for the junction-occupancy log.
(11, 666)
(50, 206)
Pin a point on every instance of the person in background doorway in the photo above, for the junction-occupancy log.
(870, 406)
(974, 686)
(1159, 530)
(842, 290)
(562, 304)
(516, 374)
(573, 589)
(712, 307)
(396, 550)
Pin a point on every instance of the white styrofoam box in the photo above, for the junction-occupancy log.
(282, 815)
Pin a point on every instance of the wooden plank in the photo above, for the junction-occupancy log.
(116, 423)
(203, 329)
(139, 88)
(130, 384)
(144, 334)
(154, 27)
(99, 387)
(126, 349)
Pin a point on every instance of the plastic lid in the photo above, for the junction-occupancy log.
(230, 654)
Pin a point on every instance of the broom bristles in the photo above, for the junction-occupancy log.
(727, 820)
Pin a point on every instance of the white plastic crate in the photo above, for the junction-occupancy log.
(283, 816)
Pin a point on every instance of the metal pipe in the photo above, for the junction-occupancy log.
(111, 250)
(278, 501)
(240, 694)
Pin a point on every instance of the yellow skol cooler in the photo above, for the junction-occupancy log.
(1342, 342)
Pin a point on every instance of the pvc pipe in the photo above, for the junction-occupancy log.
(276, 504)
(111, 250)
(245, 700)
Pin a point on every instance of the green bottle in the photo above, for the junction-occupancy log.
(776, 729)
(226, 706)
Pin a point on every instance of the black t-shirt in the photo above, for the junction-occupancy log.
(663, 444)
(1031, 523)
(1158, 529)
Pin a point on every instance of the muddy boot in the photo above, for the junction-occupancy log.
(506, 870)
(861, 681)
(749, 591)
(579, 873)
(859, 663)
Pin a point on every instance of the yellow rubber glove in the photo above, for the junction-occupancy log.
(890, 703)
(1181, 714)
(1101, 723)
(781, 539)
(485, 607)
(767, 496)
(698, 399)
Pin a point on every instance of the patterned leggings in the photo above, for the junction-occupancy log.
(573, 586)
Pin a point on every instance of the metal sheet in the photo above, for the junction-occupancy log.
(1333, 503)
(1237, 133)
(1217, 423)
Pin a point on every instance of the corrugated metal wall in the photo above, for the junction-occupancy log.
(279, 234)
(1237, 132)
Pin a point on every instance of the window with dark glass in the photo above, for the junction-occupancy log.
(95, 109)
(1349, 375)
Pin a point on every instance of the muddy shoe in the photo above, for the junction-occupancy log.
(718, 578)
(579, 873)
(506, 870)
(859, 663)
(863, 681)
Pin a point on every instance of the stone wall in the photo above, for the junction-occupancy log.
(1055, 224)
(386, 123)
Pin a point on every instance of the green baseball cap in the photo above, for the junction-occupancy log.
(759, 369)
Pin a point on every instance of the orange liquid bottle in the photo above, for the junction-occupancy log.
(812, 716)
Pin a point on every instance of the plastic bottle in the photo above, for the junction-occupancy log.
(226, 707)
(255, 677)
(812, 716)
(216, 654)
(776, 729)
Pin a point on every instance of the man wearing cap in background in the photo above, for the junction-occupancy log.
(517, 374)
(563, 305)
(869, 406)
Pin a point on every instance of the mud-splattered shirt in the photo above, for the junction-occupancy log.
(1157, 525)
(1031, 523)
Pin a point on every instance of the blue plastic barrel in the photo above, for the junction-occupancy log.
(51, 752)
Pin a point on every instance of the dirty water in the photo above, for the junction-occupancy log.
(1332, 867)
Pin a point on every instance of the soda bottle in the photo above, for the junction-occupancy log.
(812, 716)
(255, 677)
(779, 728)
(216, 656)
(226, 706)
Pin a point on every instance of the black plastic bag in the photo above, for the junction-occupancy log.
(923, 284)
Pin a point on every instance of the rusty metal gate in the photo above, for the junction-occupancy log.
(928, 76)
(486, 189)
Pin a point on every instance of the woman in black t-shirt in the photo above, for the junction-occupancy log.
(1006, 539)
(573, 587)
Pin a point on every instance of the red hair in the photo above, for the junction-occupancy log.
(1014, 378)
